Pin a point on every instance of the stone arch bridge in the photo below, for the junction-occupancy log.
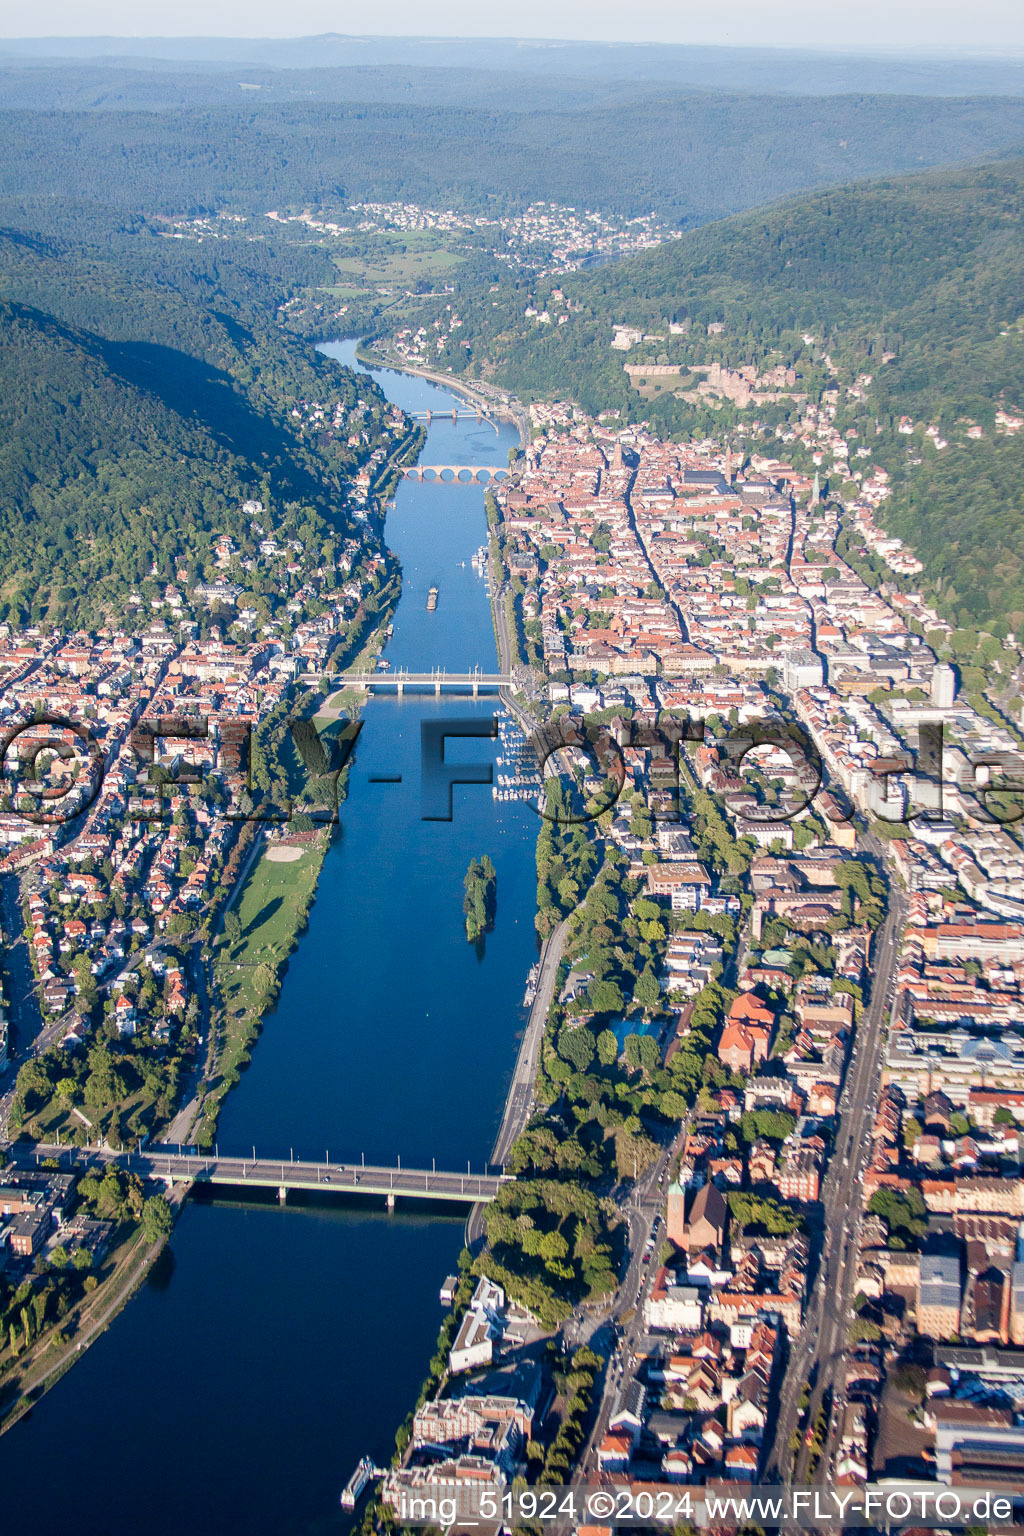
(468, 474)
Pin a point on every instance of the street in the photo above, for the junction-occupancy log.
(817, 1357)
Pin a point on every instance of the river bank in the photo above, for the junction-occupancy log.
(492, 401)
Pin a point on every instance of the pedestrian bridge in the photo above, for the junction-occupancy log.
(467, 473)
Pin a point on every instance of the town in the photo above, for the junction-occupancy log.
(788, 1005)
(825, 1256)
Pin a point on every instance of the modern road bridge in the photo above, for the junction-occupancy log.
(475, 682)
(478, 414)
(174, 1167)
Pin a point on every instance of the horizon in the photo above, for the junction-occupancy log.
(994, 30)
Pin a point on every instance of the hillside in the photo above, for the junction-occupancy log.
(137, 411)
(925, 271)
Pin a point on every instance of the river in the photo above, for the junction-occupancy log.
(274, 1346)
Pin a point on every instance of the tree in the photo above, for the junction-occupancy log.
(911, 1379)
(232, 926)
(647, 991)
(607, 1048)
(156, 1218)
(577, 1046)
(902, 1211)
(650, 1055)
(606, 997)
(757, 1211)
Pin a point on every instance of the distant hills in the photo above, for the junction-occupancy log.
(759, 70)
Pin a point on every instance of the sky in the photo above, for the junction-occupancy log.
(991, 27)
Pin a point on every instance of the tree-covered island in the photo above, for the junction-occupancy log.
(480, 900)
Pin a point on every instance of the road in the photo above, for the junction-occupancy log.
(519, 1103)
(642, 1207)
(818, 1355)
(520, 1095)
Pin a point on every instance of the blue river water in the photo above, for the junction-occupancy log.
(277, 1345)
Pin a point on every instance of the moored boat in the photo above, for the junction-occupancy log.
(357, 1483)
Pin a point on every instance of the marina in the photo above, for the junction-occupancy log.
(518, 776)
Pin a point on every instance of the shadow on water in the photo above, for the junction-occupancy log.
(162, 1272)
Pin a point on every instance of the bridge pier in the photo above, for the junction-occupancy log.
(390, 1201)
(401, 689)
(437, 688)
(476, 688)
(282, 1194)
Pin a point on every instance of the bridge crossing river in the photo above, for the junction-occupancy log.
(471, 472)
(186, 1166)
(476, 682)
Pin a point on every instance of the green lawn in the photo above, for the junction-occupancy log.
(272, 907)
(410, 257)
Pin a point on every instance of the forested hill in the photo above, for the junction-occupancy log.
(142, 399)
(920, 263)
(692, 156)
(928, 268)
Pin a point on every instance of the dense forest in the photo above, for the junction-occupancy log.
(690, 155)
(915, 282)
(497, 78)
(144, 394)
